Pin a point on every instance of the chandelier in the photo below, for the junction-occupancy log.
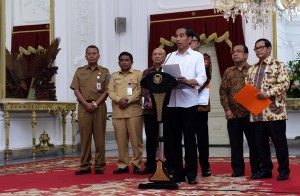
(260, 11)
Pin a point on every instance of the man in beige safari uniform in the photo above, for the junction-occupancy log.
(125, 92)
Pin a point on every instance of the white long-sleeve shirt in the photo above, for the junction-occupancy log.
(192, 66)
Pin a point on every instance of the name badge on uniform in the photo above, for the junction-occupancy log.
(98, 86)
(129, 90)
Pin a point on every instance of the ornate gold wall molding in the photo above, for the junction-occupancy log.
(293, 103)
(213, 37)
(30, 50)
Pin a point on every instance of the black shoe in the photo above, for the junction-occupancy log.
(177, 179)
(206, 173)
(282, 177)
(192, 181)
(149, 170)
(121, 170)
(262, 175)
(99, 171)
(236, 174)
(171, 172)
(137, 170)
(83, 171)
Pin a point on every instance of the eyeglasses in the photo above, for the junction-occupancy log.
(259, 48)
(194, 40)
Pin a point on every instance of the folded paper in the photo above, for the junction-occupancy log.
(247, 97)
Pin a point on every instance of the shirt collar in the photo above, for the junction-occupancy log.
(245, 65)
(153, 68)
(130, 71)
(88, 67)
(266, 61)
(186, 52)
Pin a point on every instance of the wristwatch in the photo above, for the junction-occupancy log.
(94, 104)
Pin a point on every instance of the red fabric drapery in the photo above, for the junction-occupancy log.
(30, 35)
(203, 21)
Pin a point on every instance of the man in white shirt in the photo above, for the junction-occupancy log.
(182, 109)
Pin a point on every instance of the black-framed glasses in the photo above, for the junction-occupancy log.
(259, 48)
(194, 40)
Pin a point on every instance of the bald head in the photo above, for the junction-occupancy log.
(158, 56)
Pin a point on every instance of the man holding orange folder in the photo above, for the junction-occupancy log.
(271, 78)
(233, 81)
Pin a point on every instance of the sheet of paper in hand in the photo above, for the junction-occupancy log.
(172, 69)
(203, 96)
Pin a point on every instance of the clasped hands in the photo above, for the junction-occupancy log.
(123, 103)
(183, 80)
(90, 107)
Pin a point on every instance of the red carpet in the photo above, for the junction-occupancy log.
(53, 177)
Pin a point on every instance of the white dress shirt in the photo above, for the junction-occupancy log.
(192, 66)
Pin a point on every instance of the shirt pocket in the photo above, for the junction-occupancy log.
(100, 78)
(83, 81)
(133, 82)
(118, 81)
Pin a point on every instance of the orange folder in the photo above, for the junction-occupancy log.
(247, 98)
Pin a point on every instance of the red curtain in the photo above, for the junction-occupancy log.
(30, 35)
(203, 21)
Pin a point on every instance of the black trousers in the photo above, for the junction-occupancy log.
(152, 134)
(181, 121)
(237, 127)
(203, 140)
(276, 130)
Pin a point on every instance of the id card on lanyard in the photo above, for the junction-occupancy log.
(129, 90)
(98, 83)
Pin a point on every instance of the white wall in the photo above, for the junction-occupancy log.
(288, 38)
(292, 125)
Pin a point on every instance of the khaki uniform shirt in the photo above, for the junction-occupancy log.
(232, 82)
(118, 88)
(271, 76)
(85, 79)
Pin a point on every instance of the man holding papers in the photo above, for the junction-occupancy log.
(271, 78)
(181, 114)
(232, 82)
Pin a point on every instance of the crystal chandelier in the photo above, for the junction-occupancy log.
(260, 11)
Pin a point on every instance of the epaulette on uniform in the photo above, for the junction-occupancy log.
(81, 67)
(104, 68)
